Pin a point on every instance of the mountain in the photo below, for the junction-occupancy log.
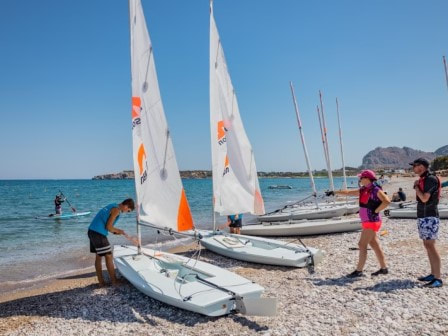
(394, 157)
(442, 151)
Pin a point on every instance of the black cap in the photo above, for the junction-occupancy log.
(421, 161)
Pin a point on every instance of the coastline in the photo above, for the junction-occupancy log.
(322, 303)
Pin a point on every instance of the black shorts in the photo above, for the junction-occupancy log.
(99, 244)
(236, 224)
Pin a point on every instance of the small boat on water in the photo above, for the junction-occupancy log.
(275, 186)
(303, 227)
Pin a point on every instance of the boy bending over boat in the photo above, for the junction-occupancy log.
(99, 228)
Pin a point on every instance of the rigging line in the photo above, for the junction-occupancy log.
(145, 84)
(166, 148)
(446, 71)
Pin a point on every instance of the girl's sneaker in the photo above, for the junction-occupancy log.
(380, 271)
(355, 274)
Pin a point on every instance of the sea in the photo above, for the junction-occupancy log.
(33, 250)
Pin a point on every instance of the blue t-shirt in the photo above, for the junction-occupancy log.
(232, 217)
(99, 222)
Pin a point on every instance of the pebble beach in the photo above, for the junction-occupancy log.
(323, 303)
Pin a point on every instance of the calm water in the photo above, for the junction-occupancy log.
(32, 249)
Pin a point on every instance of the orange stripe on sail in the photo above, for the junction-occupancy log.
(184, 218)
(258, 203)
(136, 106)
(140, 155)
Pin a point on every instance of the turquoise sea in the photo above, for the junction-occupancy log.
(33, 250)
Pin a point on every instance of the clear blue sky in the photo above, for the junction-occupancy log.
(65, 79)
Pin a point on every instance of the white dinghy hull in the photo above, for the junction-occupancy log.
(303, 227)
(299, 213)
(260, 250)
(169, 278)
(411, 212)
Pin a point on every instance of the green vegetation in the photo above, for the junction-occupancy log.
(440, 163)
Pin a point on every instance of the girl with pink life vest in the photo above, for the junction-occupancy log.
(372, 200)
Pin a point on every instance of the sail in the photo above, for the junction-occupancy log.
(160, 194)
(235, 181)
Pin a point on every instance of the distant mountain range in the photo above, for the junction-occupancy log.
(397, 158)
(379, 158)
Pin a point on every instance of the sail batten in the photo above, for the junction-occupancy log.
(235, 182)
(160, 194)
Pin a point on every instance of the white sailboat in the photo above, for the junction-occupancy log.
(161, 202)
(235, 183)
(299, 210)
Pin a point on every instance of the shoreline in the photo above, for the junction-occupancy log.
(322, 303)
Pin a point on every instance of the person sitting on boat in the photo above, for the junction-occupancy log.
(99, 228)
(372, 200)
(234, 222)
(399, 196)
(58, 200)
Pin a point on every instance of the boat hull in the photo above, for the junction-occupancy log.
(302, 228)
(260, 250)
(161, 277)
(298, 213)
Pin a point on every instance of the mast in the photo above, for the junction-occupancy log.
(344, 186)
(446, 71)
(302, 137)
(324, 125)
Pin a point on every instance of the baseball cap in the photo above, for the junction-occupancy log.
(421, 161)
(370, 174)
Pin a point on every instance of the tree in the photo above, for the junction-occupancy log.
(440, 163)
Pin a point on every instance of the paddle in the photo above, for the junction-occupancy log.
(62, 194)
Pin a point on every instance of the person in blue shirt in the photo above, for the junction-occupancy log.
(235, 223)
(444, 184)
(99, 228)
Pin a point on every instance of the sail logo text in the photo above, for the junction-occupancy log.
(221, 132)
(136, 109)
(142, 164)
(226, 166)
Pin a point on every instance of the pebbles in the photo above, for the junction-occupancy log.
(324, 303)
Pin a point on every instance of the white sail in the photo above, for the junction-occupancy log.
(235, 181)
(160, 194)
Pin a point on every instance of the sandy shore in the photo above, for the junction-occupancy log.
(324, 303)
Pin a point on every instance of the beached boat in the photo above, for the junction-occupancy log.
(411, 212)
(302, 227)
(318, 211)
(235, 183)
(161, 203)
(261, 250)
(310, 212)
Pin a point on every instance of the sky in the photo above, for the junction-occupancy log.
(65, 80)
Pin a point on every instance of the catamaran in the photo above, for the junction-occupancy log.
(235, 183)
(161, 203)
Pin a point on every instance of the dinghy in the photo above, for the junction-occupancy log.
(261, 250)
(319, 210)
(310, 212)
(236, 188)
(161, 203)
(411, 212)
(302, 227)
(276, 186)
